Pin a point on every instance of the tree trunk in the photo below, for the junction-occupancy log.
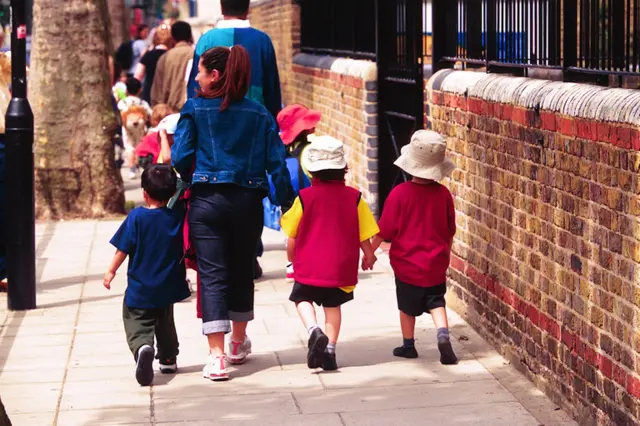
(76, 175)
(118, 16)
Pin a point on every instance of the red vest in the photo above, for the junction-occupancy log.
(327, 252)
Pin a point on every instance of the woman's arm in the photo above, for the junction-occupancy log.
(165, 147)
(277, 166)
(183, 150)
(140, 72)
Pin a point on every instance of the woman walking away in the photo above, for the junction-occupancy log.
(234, 142)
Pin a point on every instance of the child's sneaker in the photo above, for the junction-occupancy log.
(447, 356)
(289, 270)
(168, 365)
(405, 352)
(318, 342)
(329, 362)
(144, 365)
(238, 351)
(216, 369)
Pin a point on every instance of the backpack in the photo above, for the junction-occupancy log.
(124, 55)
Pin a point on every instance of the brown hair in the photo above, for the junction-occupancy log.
(159, 112)
(163, 36)
(234, 67)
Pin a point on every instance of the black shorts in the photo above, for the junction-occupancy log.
(415, 301)
(321, 296)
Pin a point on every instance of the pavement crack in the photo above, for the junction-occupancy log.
(341, 419)
(152, 407)
(295, 401)
(75, 323)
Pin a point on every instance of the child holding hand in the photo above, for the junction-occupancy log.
(328, 224)
(156, 278)
(420, 221)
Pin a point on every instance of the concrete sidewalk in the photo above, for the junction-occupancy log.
(67, 363)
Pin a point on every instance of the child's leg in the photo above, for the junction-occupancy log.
(139, 327)
(167, 338)
(307, 314)
(408, 327)
(333, 320)
(447, 356)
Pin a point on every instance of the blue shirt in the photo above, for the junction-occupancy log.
(238, 145)
(153, 240)
(265, 80)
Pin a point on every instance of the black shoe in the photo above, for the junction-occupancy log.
(168, 365)
(318, 342)
(404, 352)
(257, 270)
(329, 362)
(144, 365)
(447, 356)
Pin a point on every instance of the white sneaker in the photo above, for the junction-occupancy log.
(289, 270)
(132, 175)
(216, 369)
(238, 351)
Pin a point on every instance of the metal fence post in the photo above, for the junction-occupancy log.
(439, 28)
(21, 246)
(570, 37)
(491, 51)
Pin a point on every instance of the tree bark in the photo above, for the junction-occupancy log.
(76, 175)
(119, 22)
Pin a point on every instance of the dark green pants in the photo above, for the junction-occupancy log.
(141, 325)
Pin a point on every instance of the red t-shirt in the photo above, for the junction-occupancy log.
(420, 222)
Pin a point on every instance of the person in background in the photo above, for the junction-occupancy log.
(148, 152)
(169, 84)
(229, 183)
(297, 123)
(146, 68)
(328, 224)
(419, 218)
(134, 88)
(235, 29)
(138, 47)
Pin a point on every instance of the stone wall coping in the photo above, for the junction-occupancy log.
(572, 99)
(365, 70)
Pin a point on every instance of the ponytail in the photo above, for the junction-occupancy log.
(234, 67)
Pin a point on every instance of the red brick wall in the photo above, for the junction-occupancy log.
(281, 20)
(547, 257)
(349, 113)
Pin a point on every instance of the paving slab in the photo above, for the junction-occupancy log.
(86, 376)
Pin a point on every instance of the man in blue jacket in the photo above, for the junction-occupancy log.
(235, 29)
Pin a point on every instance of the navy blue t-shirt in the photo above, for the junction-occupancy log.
(153, 240)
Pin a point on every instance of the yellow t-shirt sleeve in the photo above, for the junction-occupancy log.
(291, 220)
(368, 226)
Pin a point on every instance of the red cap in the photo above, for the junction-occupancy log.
(294, 120)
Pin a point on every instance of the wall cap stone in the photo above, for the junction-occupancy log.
(573, 99)
(365, 70)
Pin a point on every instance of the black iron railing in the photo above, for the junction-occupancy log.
(339, 27)
(577, 36)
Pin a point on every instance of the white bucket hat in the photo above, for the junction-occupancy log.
(169, 123)
(324, 153)
(425, 156)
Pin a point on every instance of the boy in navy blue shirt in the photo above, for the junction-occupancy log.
(156, 276)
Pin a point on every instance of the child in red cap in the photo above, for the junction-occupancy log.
(297, 123)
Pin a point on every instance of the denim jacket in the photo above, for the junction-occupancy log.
(238, 145)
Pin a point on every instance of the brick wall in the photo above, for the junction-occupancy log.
(547, 257)
(344, 91)
(281, 20)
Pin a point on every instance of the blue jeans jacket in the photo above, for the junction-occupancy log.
(238, 145)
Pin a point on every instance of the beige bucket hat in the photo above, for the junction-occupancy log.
(324, 153)
(425, 156)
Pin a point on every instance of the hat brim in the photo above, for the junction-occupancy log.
(169, 124)
(306, 122)
(437, 172)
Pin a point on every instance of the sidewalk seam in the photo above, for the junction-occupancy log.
(75, 324)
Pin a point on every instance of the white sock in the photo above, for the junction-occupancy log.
(311, 328)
